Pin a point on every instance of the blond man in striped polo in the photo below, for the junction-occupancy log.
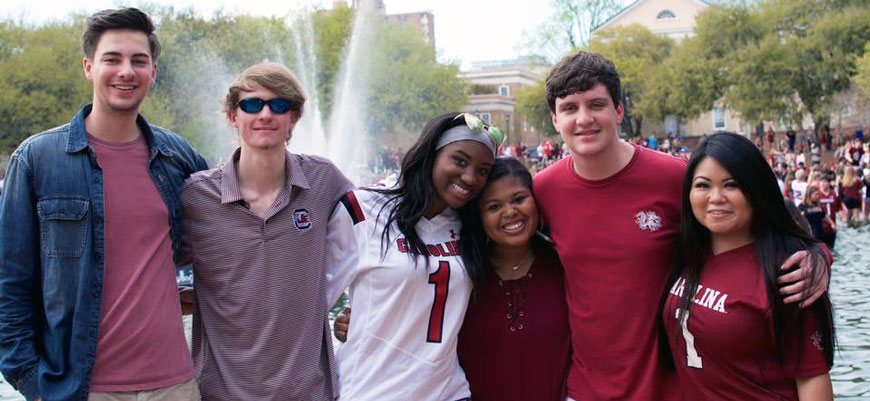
(256, 230)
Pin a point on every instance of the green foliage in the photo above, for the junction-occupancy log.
(531, 103)
(41, 80)
(862, 78)
(408, 87)
(806, 57)
(42, 84)
(331, 33)
(777, 59)
(637, 54)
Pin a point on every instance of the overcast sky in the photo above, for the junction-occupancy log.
(465, 30)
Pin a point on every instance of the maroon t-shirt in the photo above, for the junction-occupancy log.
(853, 191)
(141, 344)
(831, 204)
(730, 335)
(515, 342)
(616, 238)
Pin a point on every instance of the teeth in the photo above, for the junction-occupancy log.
(461, 190)
(513, 226)
(124, 88)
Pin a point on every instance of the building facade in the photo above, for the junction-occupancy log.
(495, 86)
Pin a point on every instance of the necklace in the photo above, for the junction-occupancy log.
(519, 263)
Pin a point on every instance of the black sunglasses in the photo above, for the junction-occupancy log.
(253, 105)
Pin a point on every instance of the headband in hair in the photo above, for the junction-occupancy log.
(473, 130)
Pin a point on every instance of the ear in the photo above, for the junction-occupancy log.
(555, 121)
(154, 75)
(87, 65)
(620, 113)
(232, 117)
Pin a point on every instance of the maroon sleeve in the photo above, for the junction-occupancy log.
(803, 345)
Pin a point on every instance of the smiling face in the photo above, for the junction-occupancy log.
(122, 70)
(508, 212)
(588, 121)
(459, 174)
(719, 204)
(264, 129)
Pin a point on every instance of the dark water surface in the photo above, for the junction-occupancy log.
(850, 293)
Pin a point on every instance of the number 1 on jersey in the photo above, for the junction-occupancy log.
(441, 279)
(692, 358)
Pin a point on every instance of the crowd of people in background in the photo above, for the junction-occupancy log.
(824, 175)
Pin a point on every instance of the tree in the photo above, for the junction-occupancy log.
(531, 102)
(41, 80)
(696, 76)
(569, 27)
(637, 53)
(862, 78)
(332, 35)
(779, 59)
(807, 55)
(409, 86)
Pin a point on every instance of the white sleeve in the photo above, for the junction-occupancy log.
(342, 253)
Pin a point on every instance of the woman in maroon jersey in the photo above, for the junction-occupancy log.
(515, 341)
(852, 186)
(730, 335)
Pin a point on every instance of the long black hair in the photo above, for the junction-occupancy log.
(474, 244)
(776, 234)
(412, 195)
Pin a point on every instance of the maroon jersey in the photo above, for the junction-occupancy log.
(616, 239)
(830, 202)
(726, 349)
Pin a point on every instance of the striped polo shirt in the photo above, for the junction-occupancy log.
(260, 329)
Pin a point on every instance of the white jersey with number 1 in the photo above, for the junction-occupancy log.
(401, 344)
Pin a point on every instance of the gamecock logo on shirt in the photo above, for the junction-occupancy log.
(302, 219)
(648, 221)
(817, 340)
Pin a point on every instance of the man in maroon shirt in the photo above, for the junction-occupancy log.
(613, 210)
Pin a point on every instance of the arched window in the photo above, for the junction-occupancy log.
(666, 14)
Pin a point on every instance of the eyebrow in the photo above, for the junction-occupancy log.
(469, 156)
(705, 178)
(118, 54)
(512, 195)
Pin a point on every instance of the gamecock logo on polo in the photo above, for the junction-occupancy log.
(302, 219)
(648, 221)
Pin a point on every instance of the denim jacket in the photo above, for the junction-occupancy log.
(53, 253)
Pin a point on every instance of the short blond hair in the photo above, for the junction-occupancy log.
(272, 76)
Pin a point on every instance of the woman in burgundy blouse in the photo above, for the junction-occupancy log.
(515, 341)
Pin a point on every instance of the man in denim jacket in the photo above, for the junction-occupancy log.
(88, 225)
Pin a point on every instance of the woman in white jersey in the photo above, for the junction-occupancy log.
(397, 251)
